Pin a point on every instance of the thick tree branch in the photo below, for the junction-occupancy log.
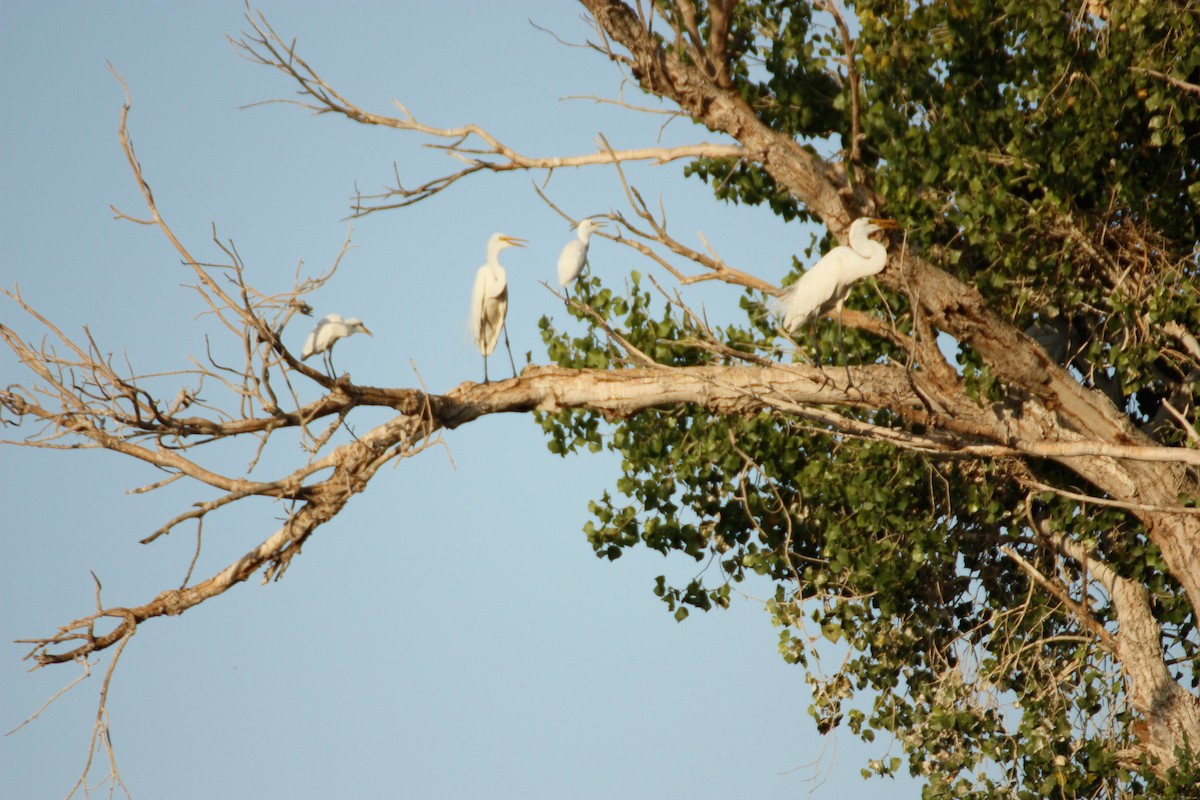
(742, 391)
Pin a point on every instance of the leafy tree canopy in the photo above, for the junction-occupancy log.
(1050, 157)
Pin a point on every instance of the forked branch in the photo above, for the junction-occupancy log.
(471, 145)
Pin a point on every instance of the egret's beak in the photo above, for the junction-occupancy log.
(367, 332)
(514, 241)
(886, 224)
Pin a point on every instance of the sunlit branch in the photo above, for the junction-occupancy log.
(1103, 501)
(718, 270)
(264, 46)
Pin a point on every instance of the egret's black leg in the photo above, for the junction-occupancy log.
(509, 349)
(842, 347)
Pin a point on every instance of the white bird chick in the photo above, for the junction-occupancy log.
(574, 255)
(489, 300)
(331, 328)
(827, 284)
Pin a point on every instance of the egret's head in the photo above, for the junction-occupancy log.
(872, 224)
(499, 241)
(355, 325)
(587, 225)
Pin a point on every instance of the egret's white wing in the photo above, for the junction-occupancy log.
(318, 341)
(571, 261)
(489, 304)
(309, 344)
(495, 310)
(813, 294)
(475, 320)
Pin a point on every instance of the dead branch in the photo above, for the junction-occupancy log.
(470, 145)
(718, 270)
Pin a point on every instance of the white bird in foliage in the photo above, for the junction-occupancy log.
(827, 284)
(489, 301)
(331, 328)
(574, 255)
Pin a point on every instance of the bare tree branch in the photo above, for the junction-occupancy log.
(262, 45)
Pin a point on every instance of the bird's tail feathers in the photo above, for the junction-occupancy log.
(775, 304)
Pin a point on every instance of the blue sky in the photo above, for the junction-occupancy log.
(451, 633)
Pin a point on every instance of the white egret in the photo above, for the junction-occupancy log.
(489, 301)
(827, 284)
(574, 255)
(331, 328)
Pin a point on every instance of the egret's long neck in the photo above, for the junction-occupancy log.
(873, 254)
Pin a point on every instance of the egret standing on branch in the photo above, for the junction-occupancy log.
(826, 285)
(331, 328)
(489, 301)
(574, 255)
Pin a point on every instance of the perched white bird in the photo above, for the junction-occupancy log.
(331, 328)
(574, 255)
(827, 284)
(489, 301)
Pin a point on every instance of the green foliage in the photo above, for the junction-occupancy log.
(1034, 145)
(740, 182)
(1031, 150)
(782, 71)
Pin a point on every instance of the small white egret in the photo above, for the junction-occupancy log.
(574, 255)
(331, 328)
(827, 284)
(489, 301)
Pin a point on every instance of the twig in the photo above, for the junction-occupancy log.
(1176, 82)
